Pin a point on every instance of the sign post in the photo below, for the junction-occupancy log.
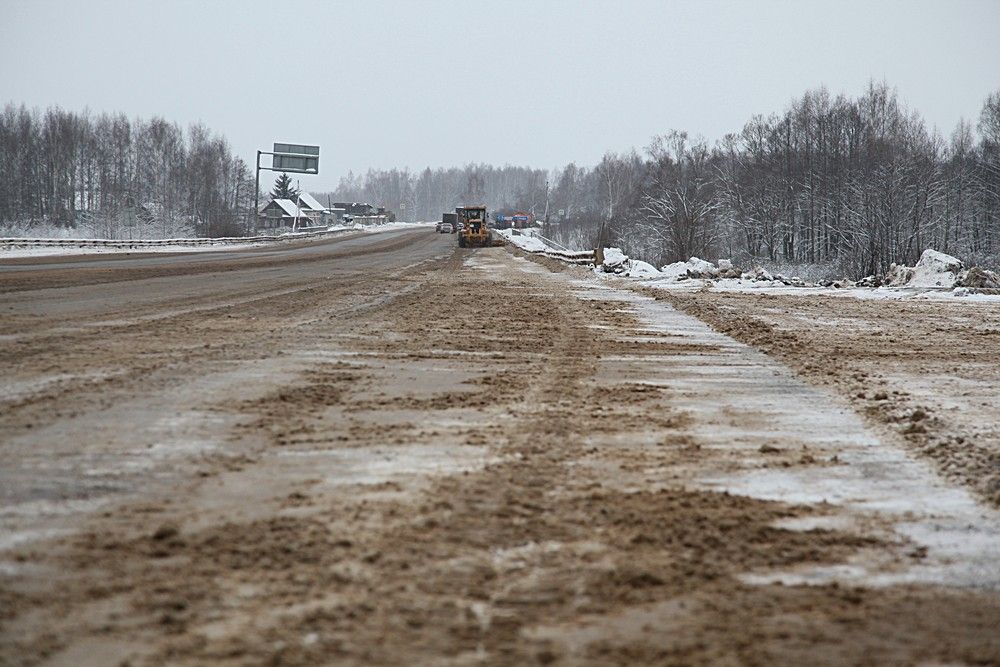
(294, 158)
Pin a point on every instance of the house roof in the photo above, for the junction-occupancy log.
(287, 205)
(309, 202)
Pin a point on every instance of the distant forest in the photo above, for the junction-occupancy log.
(848, 184)
(111, 177)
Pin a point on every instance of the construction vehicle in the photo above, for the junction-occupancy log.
(473, 231)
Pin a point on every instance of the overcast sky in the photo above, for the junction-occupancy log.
(539, 83)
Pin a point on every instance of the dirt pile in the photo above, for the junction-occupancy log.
(980, 278)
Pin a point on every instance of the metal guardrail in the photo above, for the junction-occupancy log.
(10, 242)
(560, 252)
(569, 256)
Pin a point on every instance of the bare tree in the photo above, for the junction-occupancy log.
(680, 205)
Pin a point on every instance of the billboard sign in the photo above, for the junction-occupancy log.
(296, 158)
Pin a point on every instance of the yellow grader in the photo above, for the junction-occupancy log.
(473, 232)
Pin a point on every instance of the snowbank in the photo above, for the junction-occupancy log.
(523, 241)
(931, 278)
(699, 268)
(528, 243)
(618, 263)
(640, 269)
(937, 270)
(674, 271)
(934, 269)
(388, 226)
(40, 247)
(615, 261)
(49, 251)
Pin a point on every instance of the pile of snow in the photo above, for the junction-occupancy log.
(693, 268)
(614, 259)
(935, 269)
(675, 271)
(529, 243)
(699, 268)
(523, 241)
(761, 275)
(723, 274)
(617, 262)
(639, 269)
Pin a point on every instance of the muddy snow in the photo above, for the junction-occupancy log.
(424, 455)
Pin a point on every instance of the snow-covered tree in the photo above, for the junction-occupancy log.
(283, 188)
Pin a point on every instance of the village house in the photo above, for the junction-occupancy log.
(279, 213)
(316, 212)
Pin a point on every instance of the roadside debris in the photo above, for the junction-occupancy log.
(724, 269)
(934, 271)
(980, 278)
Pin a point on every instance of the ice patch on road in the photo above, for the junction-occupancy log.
(15, 390)
(740, 400)
(374, 465)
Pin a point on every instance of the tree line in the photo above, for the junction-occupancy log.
(425, 195)
(853, 184)
(113, 177)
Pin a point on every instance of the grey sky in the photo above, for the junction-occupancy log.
(540, 83)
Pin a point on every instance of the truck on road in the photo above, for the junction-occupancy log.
(449, 223)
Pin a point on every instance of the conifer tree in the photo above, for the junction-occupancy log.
(283, 188)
